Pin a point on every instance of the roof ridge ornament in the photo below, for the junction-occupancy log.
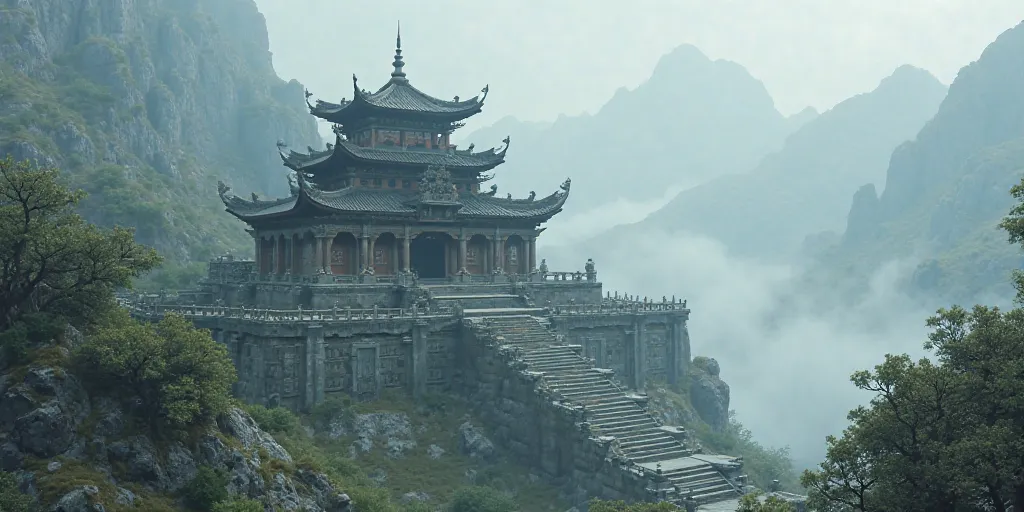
(398, 75)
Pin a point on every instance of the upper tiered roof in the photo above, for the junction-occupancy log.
(344, 152)
(397, 98)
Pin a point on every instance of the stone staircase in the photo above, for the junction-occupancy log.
(611, 410)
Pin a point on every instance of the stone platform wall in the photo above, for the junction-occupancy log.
(553, 440)
(641, 345)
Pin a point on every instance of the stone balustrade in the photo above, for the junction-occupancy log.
(630, 307)
(279, 315)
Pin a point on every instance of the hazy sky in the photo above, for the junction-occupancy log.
(543, 58)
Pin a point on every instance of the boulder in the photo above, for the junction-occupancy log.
(709, 394)
(240, 425)
(474, 443)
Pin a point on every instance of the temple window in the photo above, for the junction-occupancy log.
(377, 182)
(471, 255)
(391, 183)
(378, 256)
(513, 255)
(406, 184)
(363, 182)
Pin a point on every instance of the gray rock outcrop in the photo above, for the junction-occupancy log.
(709, 394)
(43, 413)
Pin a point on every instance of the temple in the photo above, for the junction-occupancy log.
(392, 195)
(388, 268)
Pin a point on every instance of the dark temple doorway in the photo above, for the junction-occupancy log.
(427, 255)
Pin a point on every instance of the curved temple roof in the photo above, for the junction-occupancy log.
(398, 96)
(369, 201)
(481, 160)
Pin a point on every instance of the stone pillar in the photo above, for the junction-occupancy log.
(318, 256)
(419, 358)
(259, 252)
(314, 375)
(406, 242)
(326, 255)
(639, 353)
(288, 253)
(364, 244)
(370, 260)
(256, 386)
(393, 267)
(532, 252)
(273, 255)
(462, 252)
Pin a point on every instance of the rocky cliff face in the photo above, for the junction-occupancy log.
(73, 452)
(946, 191)
(145, 104)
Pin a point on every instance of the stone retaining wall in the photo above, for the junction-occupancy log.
(553, 440)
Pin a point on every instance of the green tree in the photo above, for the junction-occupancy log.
(938, 436)
(752, 503)
(181, 375)
(621, 506)
(52, 260)
(482, 499)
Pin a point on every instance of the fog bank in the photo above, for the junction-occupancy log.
(787, 364)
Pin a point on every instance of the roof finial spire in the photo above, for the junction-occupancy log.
(398, 74)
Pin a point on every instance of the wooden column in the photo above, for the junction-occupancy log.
(318, 256)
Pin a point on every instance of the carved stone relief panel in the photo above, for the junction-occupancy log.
(337, 356)
(656, 337)
(393, 365)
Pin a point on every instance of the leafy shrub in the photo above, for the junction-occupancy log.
(481, 499)
(621, 506)
(276, 420)
(182, 376)
(206, 490)
(11, 499)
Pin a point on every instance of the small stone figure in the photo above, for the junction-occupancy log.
(543, 266)
(589, 267)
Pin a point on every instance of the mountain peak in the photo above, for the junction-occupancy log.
(910, 76)
(685, 57)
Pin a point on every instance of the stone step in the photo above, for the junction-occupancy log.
(709, 478)
(588, 375)
(720, 495)
(591, 394)
(659, 456)
(624, 423)
(571, 385)
(651, 447)
(500, 312)
(614, 412)
(558, 357)
(644, 438)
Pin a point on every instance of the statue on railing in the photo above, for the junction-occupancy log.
(543, 267)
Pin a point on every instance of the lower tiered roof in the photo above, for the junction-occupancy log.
(390, 202)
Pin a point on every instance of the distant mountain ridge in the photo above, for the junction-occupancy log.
(694, 119)
(804, 188)
(946, 190)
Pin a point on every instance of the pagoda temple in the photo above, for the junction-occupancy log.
(392, 195)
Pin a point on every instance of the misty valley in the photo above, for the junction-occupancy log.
(356, 291)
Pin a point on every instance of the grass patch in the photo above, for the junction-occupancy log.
(434, 421)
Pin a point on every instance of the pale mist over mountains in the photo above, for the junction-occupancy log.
(741, 168)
